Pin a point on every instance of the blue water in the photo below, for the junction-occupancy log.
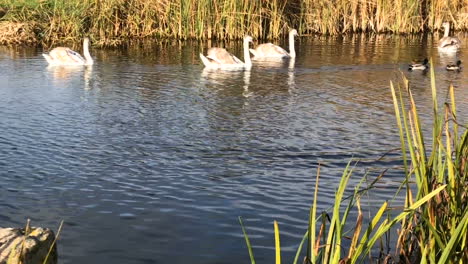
(148, 158)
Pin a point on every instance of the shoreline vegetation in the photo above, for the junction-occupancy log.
(112, 22)
(432, 224)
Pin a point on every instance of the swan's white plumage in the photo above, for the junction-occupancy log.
(219, 58)
(270, 50)
(222, 56)
(65, 56)
(446, 43)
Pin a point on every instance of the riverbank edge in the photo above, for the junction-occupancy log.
(111, 23)
(29, 34)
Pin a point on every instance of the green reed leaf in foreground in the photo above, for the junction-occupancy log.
(311, 250)
(299, 249)
(437, 222)
(247, 241)
(277, 243)
(460, 233)
(336, 231)
(364, 244)
(384, 227)
(434, 223)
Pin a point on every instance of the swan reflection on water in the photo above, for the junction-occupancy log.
(448, 58)
(219, 76)
(68, 73)
(222, 77)
(280, 64)
(246, 92)
(291, 81)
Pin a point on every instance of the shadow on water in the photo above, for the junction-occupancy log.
(146, 153)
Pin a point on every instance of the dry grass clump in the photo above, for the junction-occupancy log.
(109, 22)
(17, 33)
(379, 16)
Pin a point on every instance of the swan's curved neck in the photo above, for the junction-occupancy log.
(89, 60)
(247, 60)
(447, 30)
(292, 51)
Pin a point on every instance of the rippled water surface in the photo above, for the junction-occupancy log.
(150, 159)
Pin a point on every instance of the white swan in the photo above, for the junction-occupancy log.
(446, 43)
(65, 56)
(269, 50)
(219, 58)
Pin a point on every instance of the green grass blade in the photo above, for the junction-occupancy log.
(333, 244)
(453, 112)
(400, 126)
(311, 251)
(247, 242)
(460, 231)
(363, 245)
(384, 227)
(299, 249)
(277, 243)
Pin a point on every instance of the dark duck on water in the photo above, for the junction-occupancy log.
(419, 66)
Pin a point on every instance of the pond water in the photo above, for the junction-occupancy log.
(148, 158)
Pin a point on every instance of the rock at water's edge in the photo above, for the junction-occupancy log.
(16, 248)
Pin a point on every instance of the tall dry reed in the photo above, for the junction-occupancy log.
(109, 22)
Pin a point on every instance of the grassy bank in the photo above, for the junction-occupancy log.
(432, 225)
(109, 22)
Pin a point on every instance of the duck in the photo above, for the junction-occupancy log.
(220, 58)
(419, 66)
(454, 67)
(270, 50)
(63, 56)
(446, 43)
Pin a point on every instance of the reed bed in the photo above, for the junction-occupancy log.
(437, 231)
(433, 224)
(109, 22)
(18, 33)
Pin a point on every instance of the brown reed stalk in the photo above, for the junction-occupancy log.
(109, 22)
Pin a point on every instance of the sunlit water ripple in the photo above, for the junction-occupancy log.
(150, 159)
